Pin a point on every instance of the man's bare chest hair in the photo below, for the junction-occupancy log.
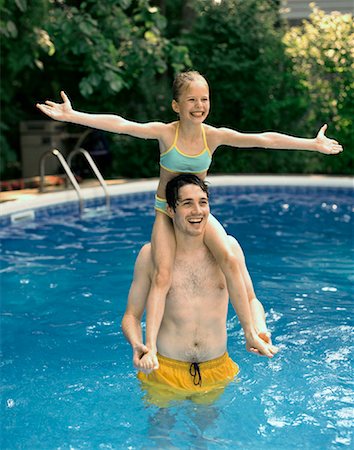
(196, 276)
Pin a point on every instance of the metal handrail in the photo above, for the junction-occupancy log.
(94, 168)
(68, 172)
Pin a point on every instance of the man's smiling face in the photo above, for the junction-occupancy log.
(192, 210)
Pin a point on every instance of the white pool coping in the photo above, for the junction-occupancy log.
(34, 201)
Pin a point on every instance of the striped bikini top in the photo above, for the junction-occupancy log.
(174, 160)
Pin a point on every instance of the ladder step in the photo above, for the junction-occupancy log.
(67, 168)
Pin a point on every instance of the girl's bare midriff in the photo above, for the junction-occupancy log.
(166, 176)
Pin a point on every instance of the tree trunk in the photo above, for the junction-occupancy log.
(188, 15)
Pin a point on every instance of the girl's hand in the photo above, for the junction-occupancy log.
(57, 111)
(326, 145)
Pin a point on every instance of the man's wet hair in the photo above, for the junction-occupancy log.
(174, 185)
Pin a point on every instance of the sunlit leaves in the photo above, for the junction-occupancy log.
(322, 50)
(126, 36)
(21, 4)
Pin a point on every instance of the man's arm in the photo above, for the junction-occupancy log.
(139, 289)
(257, 310)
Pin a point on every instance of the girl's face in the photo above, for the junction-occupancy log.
(193, 103)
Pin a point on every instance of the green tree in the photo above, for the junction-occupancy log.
(238, 45)
(24, 43)
(109, 56)
(322, 51)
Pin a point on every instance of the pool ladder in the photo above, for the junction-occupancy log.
(67, 167)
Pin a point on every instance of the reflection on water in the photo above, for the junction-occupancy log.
(199, 424)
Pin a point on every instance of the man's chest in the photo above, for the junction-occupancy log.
(193, 278)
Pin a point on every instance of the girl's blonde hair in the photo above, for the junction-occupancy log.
(183, 79)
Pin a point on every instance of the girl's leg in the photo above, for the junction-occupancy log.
(219, 244)
(163, 245)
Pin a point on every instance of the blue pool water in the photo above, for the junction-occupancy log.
(67, 381)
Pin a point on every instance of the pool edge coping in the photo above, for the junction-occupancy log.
(34, 201)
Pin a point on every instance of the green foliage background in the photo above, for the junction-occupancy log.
(121, 56)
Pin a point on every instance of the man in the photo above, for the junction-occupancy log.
(192, 338)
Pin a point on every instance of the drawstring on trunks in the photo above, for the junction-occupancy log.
(194, 370)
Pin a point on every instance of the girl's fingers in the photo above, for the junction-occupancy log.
(323, 128)
(255, 351)
(44, 108)
(48, 102)
(64, 96)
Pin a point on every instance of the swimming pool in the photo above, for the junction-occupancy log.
(66, 373)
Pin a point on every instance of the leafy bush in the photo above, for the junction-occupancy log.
(322, 53)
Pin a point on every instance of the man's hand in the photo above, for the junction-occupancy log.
(261, 344)
(326, 145)
(266, 336)
(57, 111)
(138, 352)
(147, 362)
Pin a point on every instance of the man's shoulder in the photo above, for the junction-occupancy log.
(233, 241)
(145, 250)
(235, 246)
(143, 263)
(145, 254)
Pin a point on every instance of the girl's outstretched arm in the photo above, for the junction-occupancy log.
(64, 112)
(321, 143)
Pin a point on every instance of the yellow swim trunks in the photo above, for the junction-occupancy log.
(179, 380)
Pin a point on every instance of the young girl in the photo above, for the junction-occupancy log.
(187, 145)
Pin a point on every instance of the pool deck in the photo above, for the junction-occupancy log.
(21, 200)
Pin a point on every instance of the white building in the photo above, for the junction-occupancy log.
(296, 10)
